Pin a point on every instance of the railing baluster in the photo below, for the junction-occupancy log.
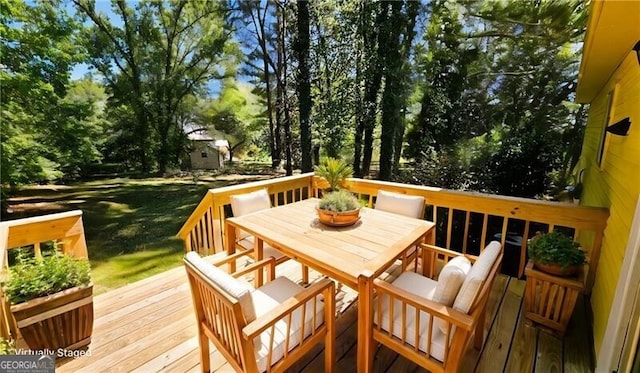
(483, 240)
(36, 250)
(523, 249)
(503, 236)
(465, 239)
(449, 227)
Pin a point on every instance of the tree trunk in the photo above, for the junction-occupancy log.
(391, 97)
(373, 81)
(304, 85)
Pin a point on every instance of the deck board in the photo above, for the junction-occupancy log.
(549, 358)
(523, 348)
(149, 326)
(472, 356)
(500, 336)
(577, 353)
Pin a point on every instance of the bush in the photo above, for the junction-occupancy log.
(339, 201)
(34, 278)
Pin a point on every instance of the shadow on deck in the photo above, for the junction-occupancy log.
(149, 326)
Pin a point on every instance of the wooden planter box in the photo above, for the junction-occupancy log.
(61, 320)
(550, 300)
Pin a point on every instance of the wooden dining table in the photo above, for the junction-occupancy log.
(352, 255)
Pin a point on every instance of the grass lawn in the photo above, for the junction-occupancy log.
(130, 224)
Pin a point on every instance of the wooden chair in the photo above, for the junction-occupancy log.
(431, 322)
(242, 204)
(402, 204)
(263, 329)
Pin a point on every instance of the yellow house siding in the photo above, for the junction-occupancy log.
(615, 185)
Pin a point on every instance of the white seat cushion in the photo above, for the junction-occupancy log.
(424, 287)
(267, 250)
(234, 288)
(401, 204)
(476, 277)
(267, 298)
(243, 204)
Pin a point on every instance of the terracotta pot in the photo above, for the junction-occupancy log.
(61, 320)
(338, 219)
(557, 270)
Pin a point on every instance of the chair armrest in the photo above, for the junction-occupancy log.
(435, 309)
(269, 262)
(259, 325)
(439, 250)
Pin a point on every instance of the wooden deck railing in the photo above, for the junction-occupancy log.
(465, 221)
(204, 229)
(64, 229)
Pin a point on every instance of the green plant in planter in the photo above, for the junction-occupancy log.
(339, 201)
(335, 171)
(7, 346)
(555, 248)
(52, 295)
(33, 278)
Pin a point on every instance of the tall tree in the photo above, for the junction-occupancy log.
(396, 76)
(443, 62)
(259, 16)
(158, 55)
(374, 35)
(46, 134)
(304, 84)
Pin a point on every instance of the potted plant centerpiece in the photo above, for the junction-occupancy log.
(555, 254)
(337, 207)
(51, 301)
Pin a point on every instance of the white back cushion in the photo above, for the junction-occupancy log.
(476, 277)
(234, 288)
(401, 204)
(424, 287)
(242, 204)
(451, 279)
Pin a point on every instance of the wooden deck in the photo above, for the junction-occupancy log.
(149, 326)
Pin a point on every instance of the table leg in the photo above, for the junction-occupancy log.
(231, 245)
(428, 259)
(258, 249)
(365, 324)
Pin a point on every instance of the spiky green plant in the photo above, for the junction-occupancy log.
(334, 171)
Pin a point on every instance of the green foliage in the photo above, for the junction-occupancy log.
(45, 132)
(335, 171)
(7, 347)
(555, 248)
(339, 201)
(33, 278)
(507, 80)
